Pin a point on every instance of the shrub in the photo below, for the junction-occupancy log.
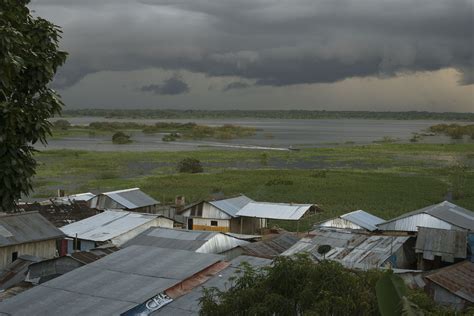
(62, 125)
(121, 138)
(190, 165)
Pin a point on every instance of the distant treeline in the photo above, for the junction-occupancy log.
(276, 114)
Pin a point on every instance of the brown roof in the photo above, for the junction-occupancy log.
(270, 248)
(457, 279)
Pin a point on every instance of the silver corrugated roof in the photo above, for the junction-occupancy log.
(444, 211)
(188, 304)
(26, 227)
(283, 211)
(363, 219)
(131, 198)
(232, 205)
(192, 240)
(353, 250)
(107, 225)
(448, 244)
(111, 285)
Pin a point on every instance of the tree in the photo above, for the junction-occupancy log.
(190, 165)
(61, 124)
(120, 138)
(29, 58)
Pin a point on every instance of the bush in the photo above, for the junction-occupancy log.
(121, 138)
(190, 165)
(62, 125)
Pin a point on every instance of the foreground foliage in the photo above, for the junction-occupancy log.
(29, 57)
(297, 286)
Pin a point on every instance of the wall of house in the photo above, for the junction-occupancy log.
(249, 225)
(102, 202)
(444, 297)
(340, 223)
(83, 245)
(223, 225)
(157, 222)
(44, 249)
(208, 211)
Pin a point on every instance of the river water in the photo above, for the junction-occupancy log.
(278, 134)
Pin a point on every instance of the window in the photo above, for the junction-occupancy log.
(213, 223)
(76, 244)
(14, 255)
(200, 210)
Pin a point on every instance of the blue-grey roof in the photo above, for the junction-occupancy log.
(188, 304)
(111, 285)
(131, 198)
(19, 228)
(232, 205)
(363, 219)
(445, 211)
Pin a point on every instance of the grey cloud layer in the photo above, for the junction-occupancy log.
(171, 86)
(272, 42)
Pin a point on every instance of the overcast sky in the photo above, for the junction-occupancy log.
(266, 54)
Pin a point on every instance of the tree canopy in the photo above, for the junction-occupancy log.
(29, 58)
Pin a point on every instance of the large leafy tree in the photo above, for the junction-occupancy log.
(29, 58)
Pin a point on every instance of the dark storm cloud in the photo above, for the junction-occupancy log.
(236, 85)
(171, 86)
(272, 42)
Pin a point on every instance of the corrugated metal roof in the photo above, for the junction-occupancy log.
(111, 285)
(271, 247)
(107, 225)
(274, 210)
(232, 205)
(363, 219)
(26, 227)
(75, 197)
(192, 240)
(448, 244)
(353, 250)
(131, 198)
(188, 304)
(444, 211)
(457, 279)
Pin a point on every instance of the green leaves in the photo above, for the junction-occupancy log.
(29, 58)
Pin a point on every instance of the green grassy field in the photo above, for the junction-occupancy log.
(385, 179)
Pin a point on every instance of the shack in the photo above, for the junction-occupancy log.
(262, 211)
(133, 200)
(359, 220)
(357, 250)
(444, 215)
(111, 226)
(220, 215)
(437, 248)
(27, 233)
(136, 280)
(452, 286)
(191, 240)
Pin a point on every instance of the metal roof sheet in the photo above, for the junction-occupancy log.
(274, 210)
(353, 250)
(131, 198)
(75, 197)
(448, 244)
(232, 205)
(199, 241)
(445, 211)
(457, 279)
(188, 304)
(107, 225)
(111, 285)
(272, 247)
(363, 219)
(19, 228)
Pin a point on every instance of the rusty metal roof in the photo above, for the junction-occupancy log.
(448, 244)
(20, 228)
(271, 247)
(352, 249)
(457, 279)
